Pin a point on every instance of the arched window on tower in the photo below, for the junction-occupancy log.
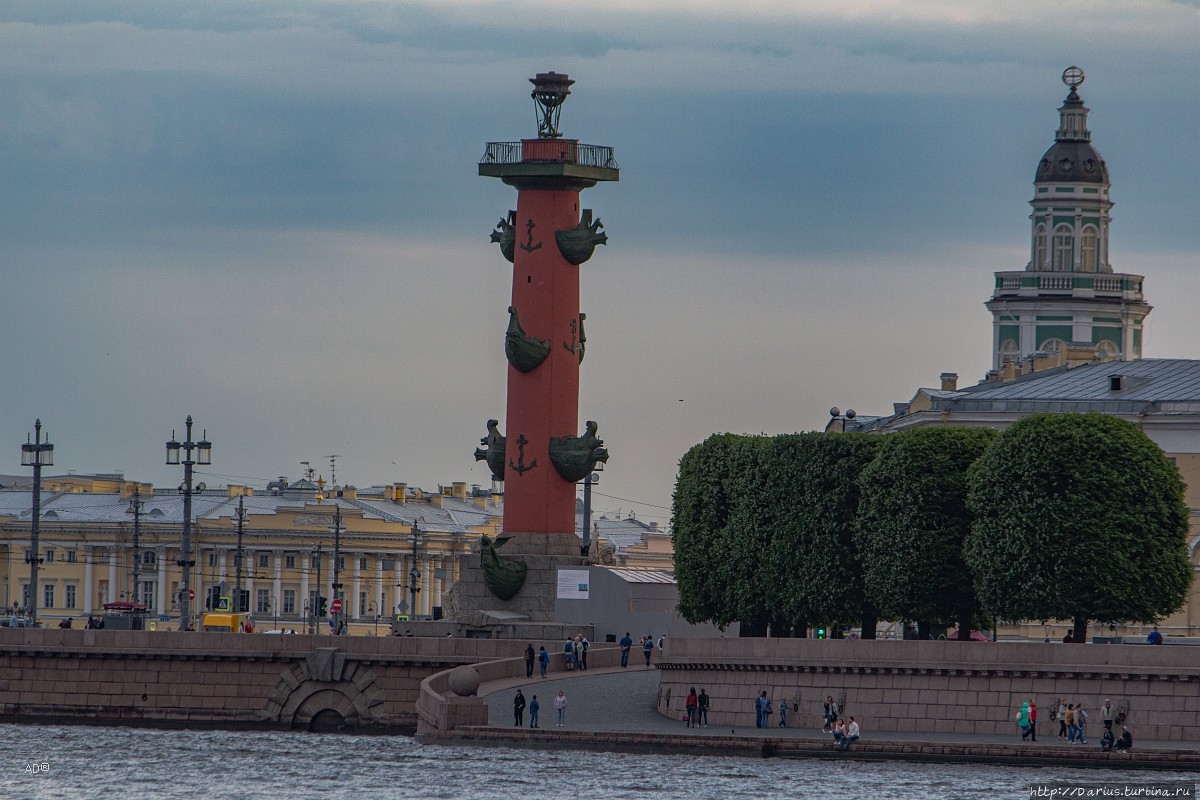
(1063, 248)
(1087, 249)
(1106, 350)
(1009, 351)
(1039, 248)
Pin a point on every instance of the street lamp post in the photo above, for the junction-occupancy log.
(588, 482)
(135, 508)
(203, 450)
(36, 454)
(336, 616)
(414, 574)
(846, 420)
(316, 604)
(237, 558)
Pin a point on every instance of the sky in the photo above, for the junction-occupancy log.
(268, 216)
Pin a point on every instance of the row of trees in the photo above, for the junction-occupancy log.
(1063, 516)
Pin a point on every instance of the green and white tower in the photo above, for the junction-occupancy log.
(1068, 295)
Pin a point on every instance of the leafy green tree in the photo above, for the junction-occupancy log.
(912, 522)
(814, 565)
(1077, 516)
(762, 530)
(710, 483)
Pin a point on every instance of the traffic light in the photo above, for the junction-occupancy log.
(324, 606)
(820, 633)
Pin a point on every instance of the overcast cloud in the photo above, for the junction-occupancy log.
(268, 216)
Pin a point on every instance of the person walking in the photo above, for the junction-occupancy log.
(830, 713)
(702, 707)
(1023, 721)
(783, 709)
(1062, 718)
(626, 645)
(534, 705)
(690, 705)
(758, 709)
(543, 660)
(569, 653)
(584, 645)
(768, 710)
(1081, 718)
(529, 656)
(519, 709)
(1072, 727)
(560, 705)
(647, 648)
(1032, 720)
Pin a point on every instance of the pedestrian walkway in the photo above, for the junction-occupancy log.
(625, 700)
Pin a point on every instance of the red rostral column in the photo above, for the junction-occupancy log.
(541, 456)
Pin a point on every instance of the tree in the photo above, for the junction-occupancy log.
(708, 567)
(1077, 516)
(762, 530)
(912, 522)
(813, 501)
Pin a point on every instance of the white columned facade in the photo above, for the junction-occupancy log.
(379, 609)
(357, 599)
(277, 584)
(113, 592)
(89, 584)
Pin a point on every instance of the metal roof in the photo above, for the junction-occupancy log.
(634, 575)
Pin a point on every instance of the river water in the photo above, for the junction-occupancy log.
(79, 763)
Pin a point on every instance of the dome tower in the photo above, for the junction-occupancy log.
(1068, 293)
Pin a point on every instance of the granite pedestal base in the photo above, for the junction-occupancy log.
(543, 554)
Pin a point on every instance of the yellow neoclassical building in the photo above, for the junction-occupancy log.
(396, 543)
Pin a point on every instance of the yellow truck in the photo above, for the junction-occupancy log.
(224, 620)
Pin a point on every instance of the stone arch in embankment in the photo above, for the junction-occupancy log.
(326, 692)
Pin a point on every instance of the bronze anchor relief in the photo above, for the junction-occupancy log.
(521, 467)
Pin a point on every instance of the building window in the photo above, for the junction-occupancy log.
(362, 601)
(289, 601)
(148, 592)
(1039, 247)
(289, 562)
(1052, 345)
(70, 556)
(25, 595)
(149, 557)
(362, 563)
(316, 561)
(262, 603)
(49, 555)
(389, 564)
(212, 558)
(48, 595)
(342, 562)
(1063, 248)
(69, 599)
(1087, 249)
(264, 560)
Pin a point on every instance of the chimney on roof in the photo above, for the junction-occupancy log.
(949, 381)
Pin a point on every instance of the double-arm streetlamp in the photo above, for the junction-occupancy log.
(36, 454)
(203, 450)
